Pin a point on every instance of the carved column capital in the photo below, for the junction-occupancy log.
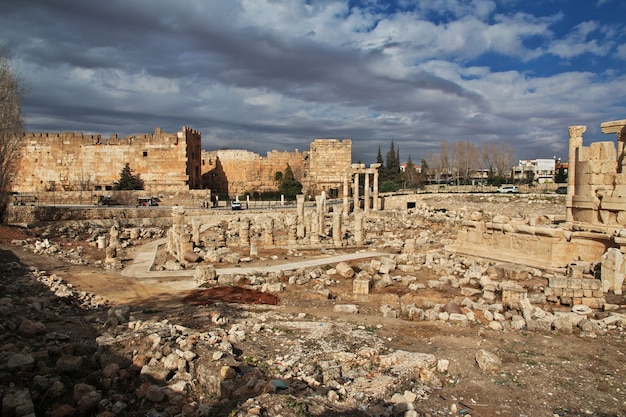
(576, 131)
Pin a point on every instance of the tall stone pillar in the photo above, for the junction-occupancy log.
(300, 228)
(346, 193)
(376, 203)
(357, 205)
(337, 234)
(358, 228)
(320, 202)
(244, 232)
(195, 231)
(575, 142)
(268, 233)
(290, 222)
(366, 192)
(315, 227)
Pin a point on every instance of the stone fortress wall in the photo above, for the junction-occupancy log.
(328, 162)
(170, 163)
(80, 162)
(235, 172)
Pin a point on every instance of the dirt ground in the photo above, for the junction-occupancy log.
(542, 374)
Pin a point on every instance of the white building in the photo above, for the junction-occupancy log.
(535, 170)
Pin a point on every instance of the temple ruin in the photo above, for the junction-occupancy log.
(52, 162)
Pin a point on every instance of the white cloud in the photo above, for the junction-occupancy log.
(577, 42)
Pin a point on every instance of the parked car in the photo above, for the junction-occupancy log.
(236, 205)
(508, 189)
(561, 190)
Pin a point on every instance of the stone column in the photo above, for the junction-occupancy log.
(244, 232)
(268, 233)
(575, 142)
(337, 235)
(366, 192)
(358, 228)
(355, 195)
(320, 205)
(612, 268)
(195, 231)
(315, 224)
(376, 203)
(300, 229)
(290, 222)
(346, 193)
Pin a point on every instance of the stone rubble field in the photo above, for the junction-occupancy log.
(432, 338)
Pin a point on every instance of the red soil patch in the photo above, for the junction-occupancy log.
(230, 295)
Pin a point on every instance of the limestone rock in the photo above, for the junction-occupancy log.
(487, 361)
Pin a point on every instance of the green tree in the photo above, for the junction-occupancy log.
(11, 126)
(289, 186)
(561, 174)
(410, 175)
(389, 186)
(128, 181)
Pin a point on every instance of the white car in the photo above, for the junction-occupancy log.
(508, 189)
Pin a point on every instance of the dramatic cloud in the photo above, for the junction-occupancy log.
(262, 75)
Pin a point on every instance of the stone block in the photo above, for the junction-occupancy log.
(361, 286)
(574, 283)
(346, 308)
(595, 303)
(539, 325)
(557, 282)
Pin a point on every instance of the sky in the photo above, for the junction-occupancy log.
(265, 75)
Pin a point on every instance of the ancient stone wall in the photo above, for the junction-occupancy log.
(328, 162)
(597, 179)
(237, 172)
(75, 161)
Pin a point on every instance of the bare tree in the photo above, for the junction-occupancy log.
(11, 126)
(464, 159)
(497, 159)
(503, 159)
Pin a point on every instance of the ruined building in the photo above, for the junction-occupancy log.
(238, 172)
(595, 222)
(80, 162)
(172, 162)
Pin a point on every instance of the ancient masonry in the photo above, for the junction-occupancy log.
(590, 242)
(79, 162)
(237, 172)
(172, 162)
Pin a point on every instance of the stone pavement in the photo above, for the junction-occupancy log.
(140, 268)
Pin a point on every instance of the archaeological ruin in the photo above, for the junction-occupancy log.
(74, 163)
(52, 162)
(507, 280)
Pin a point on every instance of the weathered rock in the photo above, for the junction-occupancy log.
(69, 363)
(487, 361)
(344, 270)
(346, 308)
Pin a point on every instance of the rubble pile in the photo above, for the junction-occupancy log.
(64, 353)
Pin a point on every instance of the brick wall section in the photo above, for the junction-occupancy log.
(76, 161)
